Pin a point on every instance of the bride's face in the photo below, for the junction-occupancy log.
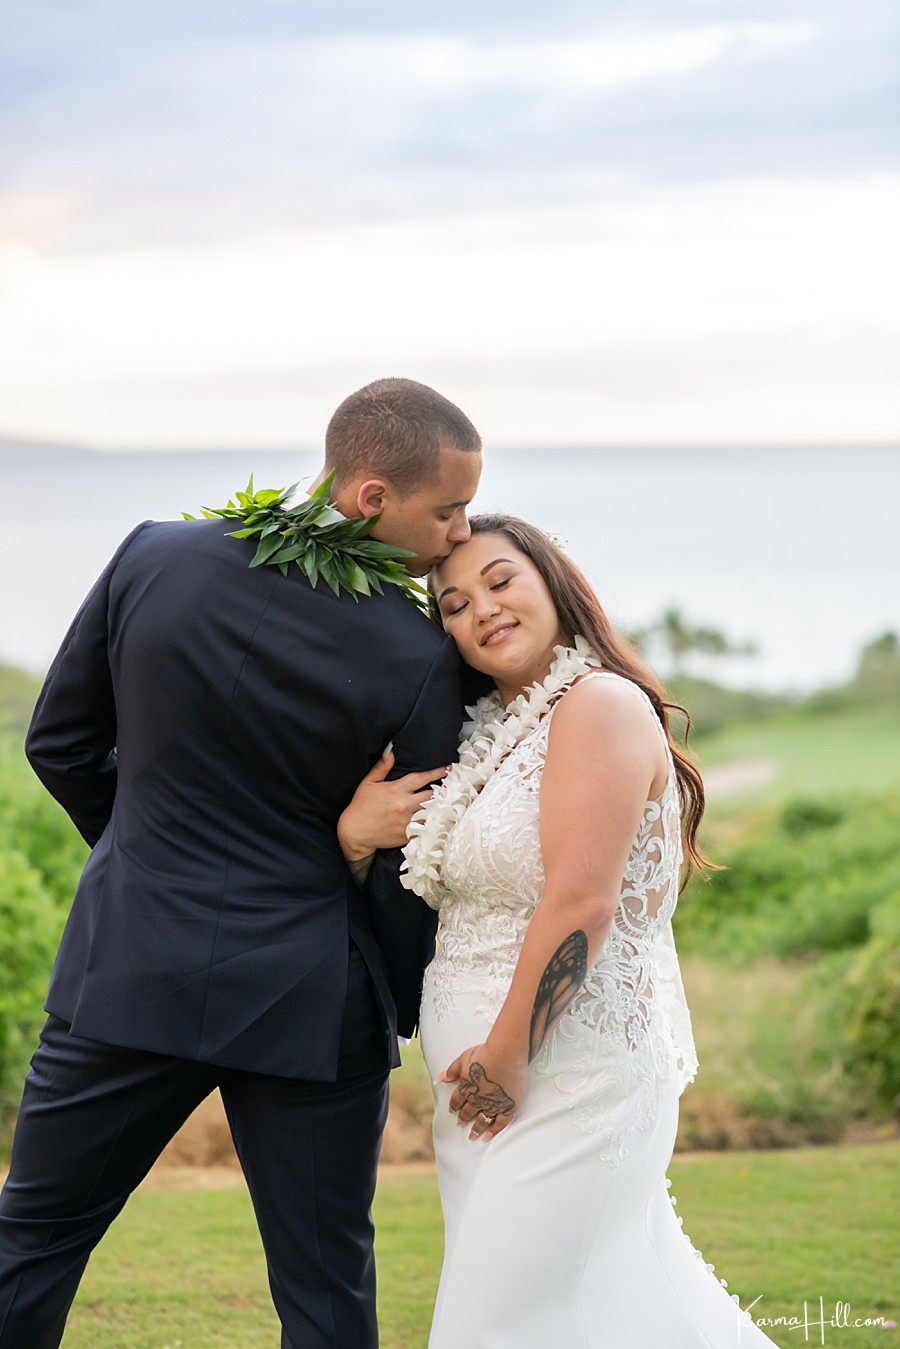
(496, 606)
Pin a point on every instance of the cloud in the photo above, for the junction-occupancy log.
(203, 132)
(768, 275)
(673, 261)
(201, 203)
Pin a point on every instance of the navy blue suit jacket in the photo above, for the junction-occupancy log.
(204, 725)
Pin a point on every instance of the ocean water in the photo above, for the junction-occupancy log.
(797, 549)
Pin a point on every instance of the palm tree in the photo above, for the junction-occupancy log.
(680, 638)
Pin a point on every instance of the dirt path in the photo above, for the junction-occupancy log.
(227, 1177)
(232, 1178)
(726, 779)
(193, 1178)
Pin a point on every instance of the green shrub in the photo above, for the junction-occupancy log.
(32, 824)
(801, 816)
(18, 693)
(41, 857)
(713, 706)
(29, 932)
(770, 1040)
(801, 881)
(818, 883)
(873, 1007)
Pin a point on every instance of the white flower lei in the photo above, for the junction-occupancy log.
(489, 737)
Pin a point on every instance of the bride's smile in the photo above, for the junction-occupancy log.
(495, 604)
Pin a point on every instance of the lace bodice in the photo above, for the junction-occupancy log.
(628, 1029)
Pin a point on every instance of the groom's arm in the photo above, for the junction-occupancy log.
(72, 737)
(404, 926)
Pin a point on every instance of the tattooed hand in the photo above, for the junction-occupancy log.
(486, 1096)
(483, 1094)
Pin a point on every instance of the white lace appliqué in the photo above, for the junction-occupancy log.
(491, 734)
(476, 855)
(620, 1044)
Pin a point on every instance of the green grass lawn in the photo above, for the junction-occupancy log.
(185, 1269)
(856, 750)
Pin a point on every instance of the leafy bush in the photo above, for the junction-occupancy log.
(769, 1038)
(18, 692)
(817, 882)
(801, 816)
(877, 679)
(873, 1007)
(41, 857)
(32, 824)
(29, 932)
(803, 881)
(713, 706)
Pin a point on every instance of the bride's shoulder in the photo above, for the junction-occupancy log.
(607, 704)
(604, 730)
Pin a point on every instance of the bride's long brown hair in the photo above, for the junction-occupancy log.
(581, 615)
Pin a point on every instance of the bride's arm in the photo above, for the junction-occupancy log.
(379, 812)
(603, 756)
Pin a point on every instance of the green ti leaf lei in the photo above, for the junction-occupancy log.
(320, 540)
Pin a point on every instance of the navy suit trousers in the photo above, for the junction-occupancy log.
(95, 1117)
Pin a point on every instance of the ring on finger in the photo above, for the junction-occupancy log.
(488, 1119)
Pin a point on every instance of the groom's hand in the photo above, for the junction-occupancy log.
(487, 1092)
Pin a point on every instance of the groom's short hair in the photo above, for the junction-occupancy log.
(396, 429)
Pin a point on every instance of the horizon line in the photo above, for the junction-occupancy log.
(12, 444)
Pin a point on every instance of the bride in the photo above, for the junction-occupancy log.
(553, 1018)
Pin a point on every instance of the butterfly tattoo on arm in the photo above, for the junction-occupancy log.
(565, 973)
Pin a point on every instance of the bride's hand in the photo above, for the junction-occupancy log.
(379, 813)
(487, 1093)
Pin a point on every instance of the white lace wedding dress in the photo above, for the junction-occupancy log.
(560, 1232)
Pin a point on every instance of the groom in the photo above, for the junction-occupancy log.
(204, 725)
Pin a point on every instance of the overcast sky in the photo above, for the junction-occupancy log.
(670, 222)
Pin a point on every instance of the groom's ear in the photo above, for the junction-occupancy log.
(370, 497)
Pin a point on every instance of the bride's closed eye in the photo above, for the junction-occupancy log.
(498, 585)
